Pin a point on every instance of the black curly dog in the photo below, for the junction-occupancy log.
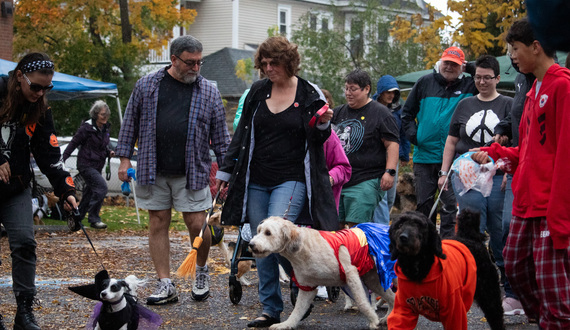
(414, 241)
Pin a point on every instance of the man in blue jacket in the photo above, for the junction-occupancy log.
(425, 119)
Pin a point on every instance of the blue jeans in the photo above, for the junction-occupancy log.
(93, 194)
(507, 216)
(17, 218)
(491, 210)
(263, 202)
(382, 211)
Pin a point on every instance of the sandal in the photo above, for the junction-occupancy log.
(264, 321)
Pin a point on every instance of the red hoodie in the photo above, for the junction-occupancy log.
(541, 162)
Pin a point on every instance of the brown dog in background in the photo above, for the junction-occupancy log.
(405, 194)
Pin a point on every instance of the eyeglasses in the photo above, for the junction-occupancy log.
(37, 87)
(352, 90)
(191, 63)
(484, 78)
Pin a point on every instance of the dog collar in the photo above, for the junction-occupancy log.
(116, 302)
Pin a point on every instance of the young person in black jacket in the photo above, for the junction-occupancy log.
(27, 126)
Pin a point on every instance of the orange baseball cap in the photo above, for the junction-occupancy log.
(453, 54)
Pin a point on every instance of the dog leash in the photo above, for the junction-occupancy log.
(434, 207)
(77, 217)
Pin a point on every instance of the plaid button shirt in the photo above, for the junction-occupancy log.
(206, 124)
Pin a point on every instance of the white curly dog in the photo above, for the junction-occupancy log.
(315, 263)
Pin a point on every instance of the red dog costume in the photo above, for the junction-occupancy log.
(445, 295)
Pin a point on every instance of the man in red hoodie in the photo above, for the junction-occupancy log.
(537, 252)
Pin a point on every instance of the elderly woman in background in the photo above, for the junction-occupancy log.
(275, 164)
(93, 139)
(26, 124)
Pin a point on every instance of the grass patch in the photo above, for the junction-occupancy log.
(122, 217)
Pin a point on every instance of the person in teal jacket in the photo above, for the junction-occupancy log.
(425, 119)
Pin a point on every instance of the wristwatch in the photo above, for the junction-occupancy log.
(441, 173)
(391, 171)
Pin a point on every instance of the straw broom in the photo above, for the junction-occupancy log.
(188, 267)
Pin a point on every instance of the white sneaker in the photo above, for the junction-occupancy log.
(201, 286)
(321, 293)
(512, 306)
(165, 293)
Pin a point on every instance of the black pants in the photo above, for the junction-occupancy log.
(93, 194)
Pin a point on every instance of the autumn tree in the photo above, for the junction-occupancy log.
(481, 28)
(106, 40)
(328, 54)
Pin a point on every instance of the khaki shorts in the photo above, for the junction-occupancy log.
(170, 192)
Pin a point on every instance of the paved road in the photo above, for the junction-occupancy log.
(66, 259)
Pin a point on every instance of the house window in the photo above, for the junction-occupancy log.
(284, 20)
(325, 24)
(313, 22)
(357, 38)
(383, 33)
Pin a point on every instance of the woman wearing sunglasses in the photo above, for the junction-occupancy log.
(26, 126)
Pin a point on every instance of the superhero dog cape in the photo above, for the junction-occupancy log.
(368, 245)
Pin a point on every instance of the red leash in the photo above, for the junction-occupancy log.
(317, 115)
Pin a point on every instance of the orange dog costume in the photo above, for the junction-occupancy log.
(445, 295)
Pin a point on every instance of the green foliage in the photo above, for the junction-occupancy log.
(480, 29)
(122, 217)
(328, 55)
(272, 31)
(85, 38)
(245, 70)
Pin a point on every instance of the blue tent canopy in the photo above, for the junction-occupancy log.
(68, 87)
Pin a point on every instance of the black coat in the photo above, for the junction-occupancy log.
(322, 207)
(16, 143)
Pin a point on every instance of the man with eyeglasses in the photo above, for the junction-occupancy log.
(472, 126)
(425, 118)
(370, 137)
(176, 115)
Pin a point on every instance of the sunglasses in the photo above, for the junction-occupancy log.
(37, 87)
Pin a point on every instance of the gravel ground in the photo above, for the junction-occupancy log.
(66, 259)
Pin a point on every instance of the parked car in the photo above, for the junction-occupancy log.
(113, 183)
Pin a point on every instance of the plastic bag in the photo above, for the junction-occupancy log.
(468, 174)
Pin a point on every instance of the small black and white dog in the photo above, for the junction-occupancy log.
(118, 309)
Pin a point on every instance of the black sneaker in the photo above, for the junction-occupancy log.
(165, 293)
(2, 326)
